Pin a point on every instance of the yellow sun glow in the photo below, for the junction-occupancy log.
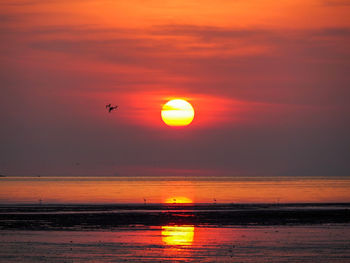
(177, 235)
(177, 112)
(178, 200)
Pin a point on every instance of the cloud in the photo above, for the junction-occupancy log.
(335, 2)
(274, 100)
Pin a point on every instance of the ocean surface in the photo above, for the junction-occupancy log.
(181, 244)
(174, 219)
(180, 189)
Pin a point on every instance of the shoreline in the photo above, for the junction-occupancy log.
(98, 217)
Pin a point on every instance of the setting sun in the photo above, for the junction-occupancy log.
(177, 112)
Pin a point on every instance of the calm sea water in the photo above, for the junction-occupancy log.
(32, 190)
(174, 240)
(180, 244)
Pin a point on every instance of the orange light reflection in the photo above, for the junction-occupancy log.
(158, 190)
(178, 235)
(178, 200)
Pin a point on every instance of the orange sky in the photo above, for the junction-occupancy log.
(268, 81)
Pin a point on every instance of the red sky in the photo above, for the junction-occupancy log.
(269, 81)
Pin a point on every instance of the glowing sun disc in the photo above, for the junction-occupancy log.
(177, 112)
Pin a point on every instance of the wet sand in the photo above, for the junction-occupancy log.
(200, 244)
(91, 217)
(175, 233)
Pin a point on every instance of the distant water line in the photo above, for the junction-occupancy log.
(111, 190)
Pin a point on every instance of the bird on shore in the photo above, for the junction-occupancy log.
(110, 107)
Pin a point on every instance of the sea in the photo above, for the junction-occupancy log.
(174, 219)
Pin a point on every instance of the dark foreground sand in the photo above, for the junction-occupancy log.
(192, 233)
(77, 217)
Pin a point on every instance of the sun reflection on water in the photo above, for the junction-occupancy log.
(178, 235)
(178, 200)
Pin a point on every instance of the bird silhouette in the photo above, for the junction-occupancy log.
(110, 107)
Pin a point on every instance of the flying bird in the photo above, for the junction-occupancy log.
(110, 107)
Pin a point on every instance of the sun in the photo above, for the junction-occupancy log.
(177, 112)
